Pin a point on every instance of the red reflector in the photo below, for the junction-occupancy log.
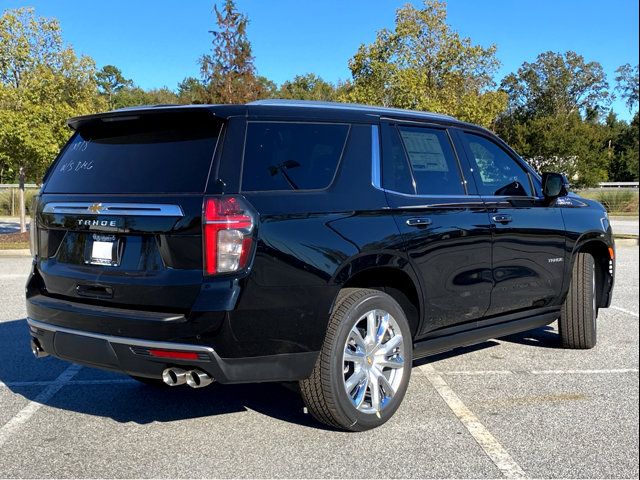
(173, 354)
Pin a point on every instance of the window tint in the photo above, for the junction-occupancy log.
(496, 173)
(163, 154)
(291, 156)
(396, 173)
(434, 165)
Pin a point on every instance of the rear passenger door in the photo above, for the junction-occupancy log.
(528, 235)
(446, 231)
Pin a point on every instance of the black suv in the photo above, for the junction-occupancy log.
(329, 244)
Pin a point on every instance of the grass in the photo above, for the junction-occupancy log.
(617, 201)
(14, 245)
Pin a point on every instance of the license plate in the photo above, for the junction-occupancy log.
(104, 250)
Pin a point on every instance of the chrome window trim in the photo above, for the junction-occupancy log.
(375, 157)
(135, 342)
(109, 208)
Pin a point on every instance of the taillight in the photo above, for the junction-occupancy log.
(228, 234)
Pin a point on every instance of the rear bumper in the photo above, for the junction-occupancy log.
(131, 356)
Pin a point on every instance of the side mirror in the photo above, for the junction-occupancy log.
(554, 185)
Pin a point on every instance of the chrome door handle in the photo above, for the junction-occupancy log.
(502, 218)
(419, 222)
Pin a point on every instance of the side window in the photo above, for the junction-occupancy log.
(433, 162)
(291, 156)
(396, 173)
(496, 172)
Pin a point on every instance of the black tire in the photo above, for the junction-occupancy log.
(152, 382)
(324, 391)
(577, 323)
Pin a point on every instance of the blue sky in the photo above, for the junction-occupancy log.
(157, 43)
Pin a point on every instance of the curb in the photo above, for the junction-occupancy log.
(18, 252)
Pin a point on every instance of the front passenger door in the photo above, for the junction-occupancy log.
(528, 235)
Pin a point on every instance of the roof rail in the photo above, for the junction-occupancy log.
(345, 106)
(153, 105)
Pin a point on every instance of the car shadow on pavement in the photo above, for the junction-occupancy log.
(545, 337)
(112, 395)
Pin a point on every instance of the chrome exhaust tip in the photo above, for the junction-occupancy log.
(198, 379)
(174, 376)
(37, 350)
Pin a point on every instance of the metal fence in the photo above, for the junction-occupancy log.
(10, 198)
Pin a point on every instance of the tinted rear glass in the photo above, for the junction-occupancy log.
(291, 156)
(164, 153)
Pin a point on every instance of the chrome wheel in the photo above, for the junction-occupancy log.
(373, 361)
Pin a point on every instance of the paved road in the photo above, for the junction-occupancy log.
(11, 224)
(518, 406)
(625, 225)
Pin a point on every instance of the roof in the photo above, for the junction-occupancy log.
(277, 107)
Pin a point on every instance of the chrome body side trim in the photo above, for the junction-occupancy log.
(121, 209)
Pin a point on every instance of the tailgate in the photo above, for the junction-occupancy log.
(119, 220)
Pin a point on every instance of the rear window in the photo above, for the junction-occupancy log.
(291, 156)
(168, 153)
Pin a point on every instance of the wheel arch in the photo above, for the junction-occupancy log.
(600, 250)
(394, 277)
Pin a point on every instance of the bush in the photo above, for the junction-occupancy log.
(10, 200)
(615, 200)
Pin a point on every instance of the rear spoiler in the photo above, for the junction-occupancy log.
(131, 113)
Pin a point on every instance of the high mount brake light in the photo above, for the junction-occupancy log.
(227, 230)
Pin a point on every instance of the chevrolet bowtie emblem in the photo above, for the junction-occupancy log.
(95, 208)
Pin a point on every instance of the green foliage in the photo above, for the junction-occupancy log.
(561, 143)
(627, 84)
(557, 84)
(42, 83)
(307, 87)
(622, 148)
(615, 200)
(552, 120)
(423, 64)
(110, 81)
(228, 73)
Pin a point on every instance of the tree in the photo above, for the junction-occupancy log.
(191, 90)
(228, 73)
(627, 84)
(307, 87)
(555, 105)
(557, 84)
(622, 148)
(135, 96)
(110, 81)
(42, 83)
(423, 64)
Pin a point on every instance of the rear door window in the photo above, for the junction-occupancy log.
(433, 163)
(292, 156)
(161, 154)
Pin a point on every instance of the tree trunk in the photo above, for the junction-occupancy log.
(23, 222)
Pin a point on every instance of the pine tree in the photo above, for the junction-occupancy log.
(228, 73)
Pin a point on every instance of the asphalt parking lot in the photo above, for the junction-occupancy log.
(515, 407)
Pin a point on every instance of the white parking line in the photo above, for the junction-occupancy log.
(496, 452)
(33, 406)
(538, 372)
(624, 310)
